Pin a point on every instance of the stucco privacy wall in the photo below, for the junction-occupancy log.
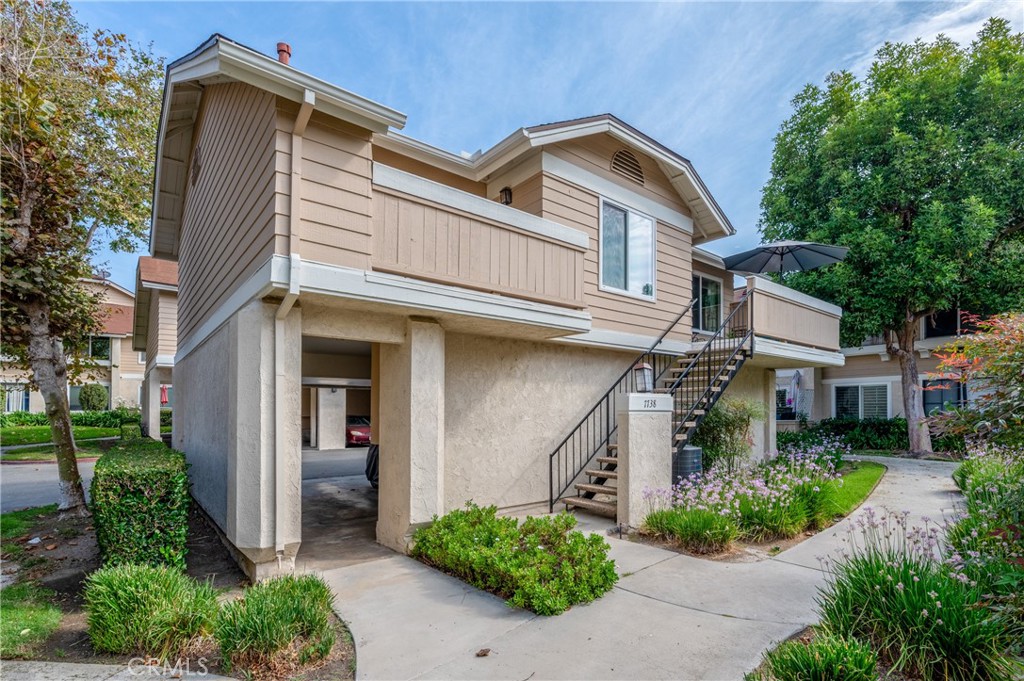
(230, 436)
(757, 384)
(508, 403)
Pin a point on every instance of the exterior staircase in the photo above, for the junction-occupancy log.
(587, 460)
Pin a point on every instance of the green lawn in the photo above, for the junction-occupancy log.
(45, 453)
(857, 485)
(29, 617)
(30, 435)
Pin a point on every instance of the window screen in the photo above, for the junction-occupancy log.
(847, 402)
(874, 401)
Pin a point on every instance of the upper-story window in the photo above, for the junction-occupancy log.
(707, 313)
(627, 251)
(99, 347)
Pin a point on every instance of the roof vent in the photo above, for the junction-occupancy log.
(625, 163)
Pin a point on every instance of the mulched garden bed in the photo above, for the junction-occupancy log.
(67, 552)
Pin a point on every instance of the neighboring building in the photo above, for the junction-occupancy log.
(478, 307)
(116, 366)
(155, 336)
(869, 385)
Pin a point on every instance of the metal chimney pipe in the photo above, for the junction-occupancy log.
(284, 52)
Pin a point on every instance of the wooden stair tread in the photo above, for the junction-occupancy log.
(602, 473)
(606, 508)
(596, 489)
(614, 460)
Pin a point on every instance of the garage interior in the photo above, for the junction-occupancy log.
(339, 506)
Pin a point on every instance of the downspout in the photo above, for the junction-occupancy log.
(295, 263)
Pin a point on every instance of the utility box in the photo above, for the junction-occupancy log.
(686, 461)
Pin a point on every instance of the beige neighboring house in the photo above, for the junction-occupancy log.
(869, 385)
(479, 308)
(155, 336)
(117, 366)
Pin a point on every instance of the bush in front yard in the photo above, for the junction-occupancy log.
(542, 565)
(277, 625)
(144, 610)
(826, 658)
(140, 504)
(107, 418)
(94, 397)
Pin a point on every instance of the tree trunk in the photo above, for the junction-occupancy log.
(913, 399)
(50, 371)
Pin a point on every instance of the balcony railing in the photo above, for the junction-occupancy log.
(787, 315)
(430, 231)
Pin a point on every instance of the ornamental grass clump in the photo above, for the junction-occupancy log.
(541, 565)
(826, 658)
(146, 610)
(892, 590)
(277, 627)
(777, 499)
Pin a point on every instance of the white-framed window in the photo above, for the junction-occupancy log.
(76, 403)
(627, 251)
(16, 397)
(97, 347)
(861, 401)
(142, 358)
(707, 313)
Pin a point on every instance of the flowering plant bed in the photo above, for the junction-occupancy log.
(780, 500)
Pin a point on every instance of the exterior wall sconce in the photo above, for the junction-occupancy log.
(505, 196)
(643, 377)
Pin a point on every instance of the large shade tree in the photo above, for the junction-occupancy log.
(918, 167)
(79, 117)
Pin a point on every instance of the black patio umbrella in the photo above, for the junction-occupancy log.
(785, 256)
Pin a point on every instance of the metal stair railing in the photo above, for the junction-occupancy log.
(693, 392)
(594, 431)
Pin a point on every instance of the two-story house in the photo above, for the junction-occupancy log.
(113, 363)
(155, 337)
(478, 307)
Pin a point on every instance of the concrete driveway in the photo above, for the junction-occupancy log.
(670, 616)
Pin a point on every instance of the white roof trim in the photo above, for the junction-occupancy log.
(708, 258)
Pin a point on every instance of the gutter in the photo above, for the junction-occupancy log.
(301, 120)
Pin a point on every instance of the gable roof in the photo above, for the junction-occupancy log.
(709, 219)
(117, 319)
(153, 276)
(156, 272)
(222, 60)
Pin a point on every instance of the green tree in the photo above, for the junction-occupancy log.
(919, 169)
(79, 118)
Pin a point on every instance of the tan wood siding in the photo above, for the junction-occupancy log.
(162, 336)
(576, 207)
(867, 366)
(417, 238)
(788, 320)
(335, 205)
(594, 153)
(129, 363)
(228, 222)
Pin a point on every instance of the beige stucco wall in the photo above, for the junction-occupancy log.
(867, 369)
(758, 385)
(508, 404)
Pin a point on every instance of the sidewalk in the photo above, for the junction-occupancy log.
(670, 616)
(14, 670)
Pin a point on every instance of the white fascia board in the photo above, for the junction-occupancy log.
(414, 185)
(159, 287)
(769, 347)
(793, 296)
(392, 289)
(862, 380)
(708, 258)
(615, 192)
(620, 340)
(425, 153)
(927, 345)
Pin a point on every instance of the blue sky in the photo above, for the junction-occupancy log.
(711, 80)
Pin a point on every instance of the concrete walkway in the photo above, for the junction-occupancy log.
(15, 670)
(670, 616)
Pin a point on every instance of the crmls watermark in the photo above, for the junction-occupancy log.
(151, 666)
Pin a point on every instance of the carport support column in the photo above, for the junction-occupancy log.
(151, 404)
(411, 433)
(644, 452)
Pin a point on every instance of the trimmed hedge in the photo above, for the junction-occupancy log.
(109, 418)
(888, 434)
(130, 431)
(140, 504)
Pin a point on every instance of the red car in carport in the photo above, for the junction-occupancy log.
(357, 431)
